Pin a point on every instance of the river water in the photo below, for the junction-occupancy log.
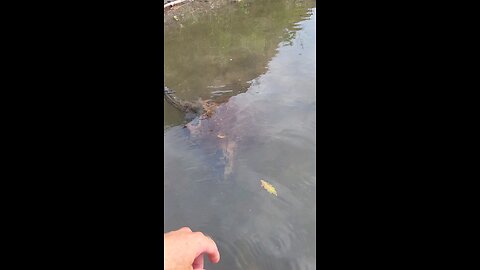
(257, 59)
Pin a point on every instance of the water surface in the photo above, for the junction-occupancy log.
(267, 91)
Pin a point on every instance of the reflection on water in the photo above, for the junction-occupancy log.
(268, 114)
(219, 55)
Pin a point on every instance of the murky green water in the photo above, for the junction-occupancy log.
(258, 60)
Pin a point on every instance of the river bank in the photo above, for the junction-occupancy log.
(192, 9)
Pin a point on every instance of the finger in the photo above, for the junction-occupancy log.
(207, 245)
(185, 229)
(198, 262)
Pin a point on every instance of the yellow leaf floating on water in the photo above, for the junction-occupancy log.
(267, 186)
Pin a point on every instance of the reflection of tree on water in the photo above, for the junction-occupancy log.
(253, 49)
(216, 56)
(219, 56)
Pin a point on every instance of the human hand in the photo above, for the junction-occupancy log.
(183, 249)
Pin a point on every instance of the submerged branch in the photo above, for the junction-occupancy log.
(173, 3)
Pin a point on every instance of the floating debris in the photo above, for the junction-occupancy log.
(268, 187)
(221, 92)
(216, 86)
